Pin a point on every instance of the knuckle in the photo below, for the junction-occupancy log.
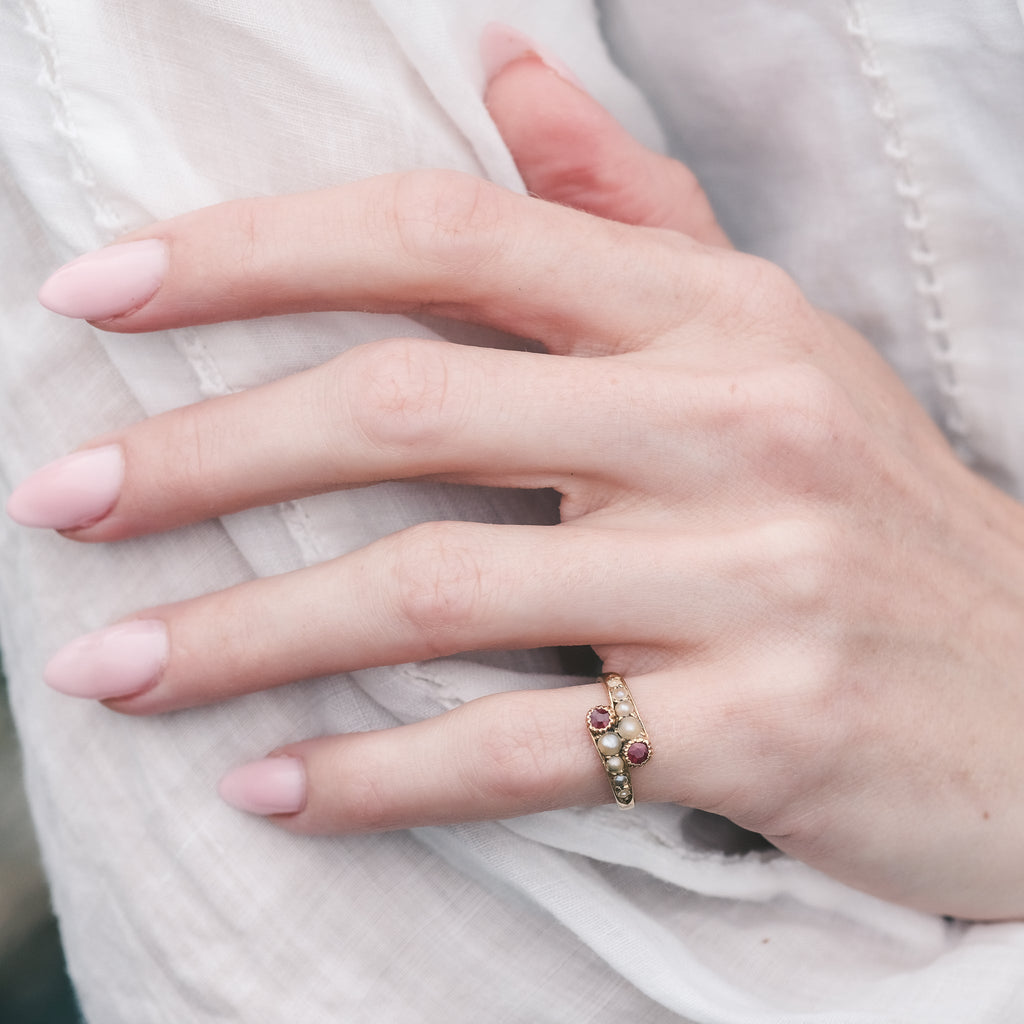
(397, 392)
(797, 562)
(242, 649)
(179, 463)
(801, 419)
(749, 296)
(439, 583)
(448, 220)
(513, 760)
(767, 292)
(246, 224)
(369, 804)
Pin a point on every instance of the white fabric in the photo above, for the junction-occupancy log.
(873, 148)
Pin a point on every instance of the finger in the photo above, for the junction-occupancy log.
(426, 241)
(432, 590)
(570, 150)
(396, 409)
(497, 757)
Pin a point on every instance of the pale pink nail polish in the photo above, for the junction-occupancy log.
(69, 493)
(109, 282)
(113, 662)
(500, 45)
(275, 785)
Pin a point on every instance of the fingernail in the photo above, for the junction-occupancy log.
(500, 45)
(275, 785)
(113, 662)
(75, 491)
(109, 282)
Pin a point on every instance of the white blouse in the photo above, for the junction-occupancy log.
(872, 147)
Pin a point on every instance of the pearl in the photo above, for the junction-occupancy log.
(614, 764)
(623, 708)
(619, 693)
(620, 781)
(629, 728)
(609, 743)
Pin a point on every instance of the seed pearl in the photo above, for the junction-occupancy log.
(623, 708)
(619, 693)
(629, 728)
(609, 743)
(614, 764)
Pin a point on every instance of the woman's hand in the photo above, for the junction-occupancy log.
(817, 607)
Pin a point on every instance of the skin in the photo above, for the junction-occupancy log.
(816, 605)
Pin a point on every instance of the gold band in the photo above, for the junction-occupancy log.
(620, 737)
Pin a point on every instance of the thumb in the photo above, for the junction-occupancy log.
(570, 150)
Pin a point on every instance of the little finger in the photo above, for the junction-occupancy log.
(495, 757)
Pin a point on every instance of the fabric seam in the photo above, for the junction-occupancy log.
(187, 341)
(927, 281)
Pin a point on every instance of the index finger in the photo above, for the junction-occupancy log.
(422, 241)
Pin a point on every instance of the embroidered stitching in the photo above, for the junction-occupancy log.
(37, 26)
(926, 279)
(187, 341)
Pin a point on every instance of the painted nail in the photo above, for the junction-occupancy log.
(69, 493)
(109, 282)
(275, 785)
(113, 662)
(500, 45)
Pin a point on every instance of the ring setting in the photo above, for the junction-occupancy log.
(620, 737)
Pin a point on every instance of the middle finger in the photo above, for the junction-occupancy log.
(428, 591)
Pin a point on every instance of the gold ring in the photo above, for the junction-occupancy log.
(620, 737)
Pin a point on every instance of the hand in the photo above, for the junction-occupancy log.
(816, 605)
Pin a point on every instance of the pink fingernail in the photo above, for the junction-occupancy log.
(275, 785)
(69, 493)
(113, 662)
(109, 282)
(500, 45)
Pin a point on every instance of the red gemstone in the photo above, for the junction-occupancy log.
(599, 719)
(638, 752)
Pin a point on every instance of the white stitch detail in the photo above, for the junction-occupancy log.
(915, 222)
(883, 108)
(854, 25)
(895, 151)
(926, 281)
(297, 520)
(38, 28)
(927, 286)
(187, 342)
(197, 355)
(907, 189)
